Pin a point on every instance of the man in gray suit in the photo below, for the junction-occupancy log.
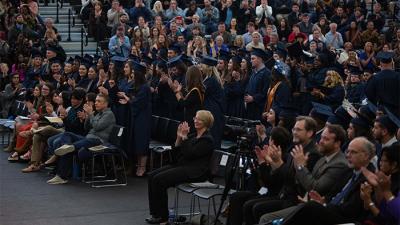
(325, 173)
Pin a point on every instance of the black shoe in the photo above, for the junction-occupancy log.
(155, 220)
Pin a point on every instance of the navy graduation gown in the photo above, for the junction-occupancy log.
(257, 87)
(214, 102)
(140, 129)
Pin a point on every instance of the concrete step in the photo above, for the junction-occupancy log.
(62, 18)
(64, 29)
(74, 53)
(76, 46)
(41, 4)
(75, 37)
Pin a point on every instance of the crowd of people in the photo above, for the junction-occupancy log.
(321, 77)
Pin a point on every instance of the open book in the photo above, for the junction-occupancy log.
(54, 119)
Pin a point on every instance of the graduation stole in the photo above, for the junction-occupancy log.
(201, 96)
(270, 96)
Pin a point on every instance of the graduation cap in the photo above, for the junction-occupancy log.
(88, 58)
(187, 60)
(161, 64)
(343, 116)
(237, 59)
(260, 53)
(224, 55)
(133, 57)
(36, 53)
(55, 60)
(288, 111)
(388, 122)
(385, 57)
(209, 61)
(321, 111)
(242, 51)
(52, 48)
(78, 58)
(280, 68)
(146, 59)
(70, 60)
(392, 117)
(295, 50)
(281, 52)
(175, 48)
(96, 58)
(355, 71)
(361, 121)
(137, 67)
(174, 61)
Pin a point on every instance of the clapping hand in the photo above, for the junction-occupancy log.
(81, 115)
(183, 130)
(262, 154)
(88, 109)
(177, 87)
(316, 197)
(299, 158)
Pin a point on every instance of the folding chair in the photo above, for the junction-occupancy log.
(111, 150)
(218, 163)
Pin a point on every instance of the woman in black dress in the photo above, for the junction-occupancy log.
(194, 152)
(193, 101)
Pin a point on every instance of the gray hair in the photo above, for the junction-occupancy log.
(367, 146)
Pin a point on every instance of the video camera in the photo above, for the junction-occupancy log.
(243, 132)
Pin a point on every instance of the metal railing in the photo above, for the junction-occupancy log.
(71, 14)
(59, 4)
(85, 41)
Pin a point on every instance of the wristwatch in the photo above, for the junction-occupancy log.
(300, 167)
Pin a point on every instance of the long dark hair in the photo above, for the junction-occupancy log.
(194, 79)
(139, 80)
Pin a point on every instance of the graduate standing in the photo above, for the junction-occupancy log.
(140, 107)
(257, 88)
(214, 97)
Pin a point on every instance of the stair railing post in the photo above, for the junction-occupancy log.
(57, 12)
(81, 41)
(69, 25)
(62, 4)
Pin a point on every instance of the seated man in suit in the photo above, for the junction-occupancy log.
(346, 206)
(325, 174)
(99, 124)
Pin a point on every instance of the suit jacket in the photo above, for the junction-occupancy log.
(286, 174)
(324, 174)
(352, 206)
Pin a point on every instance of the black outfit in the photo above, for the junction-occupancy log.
(282, 185)
(348, 210)
(193, 156)
(192, 103)
(383, 88)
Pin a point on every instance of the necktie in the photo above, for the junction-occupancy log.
(340, 196)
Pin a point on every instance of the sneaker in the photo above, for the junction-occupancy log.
(63, 150)
(57, 180)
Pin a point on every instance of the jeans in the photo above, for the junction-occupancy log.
(80, 143)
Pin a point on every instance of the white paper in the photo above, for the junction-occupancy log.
(121, 129)
(224, 160)
(263, 191)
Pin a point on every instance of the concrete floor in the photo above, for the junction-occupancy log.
(26, 199)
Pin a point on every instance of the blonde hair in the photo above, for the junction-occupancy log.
(335, 79)
(206, 117)
(211, 71)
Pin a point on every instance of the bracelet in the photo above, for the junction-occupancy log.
(391, 198)
(371, 204)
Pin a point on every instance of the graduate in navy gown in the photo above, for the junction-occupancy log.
(233, 89)
(257, 88)
(140, 110)
(214, 97)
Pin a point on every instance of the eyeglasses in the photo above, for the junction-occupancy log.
(297, 129)
(352, 152)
